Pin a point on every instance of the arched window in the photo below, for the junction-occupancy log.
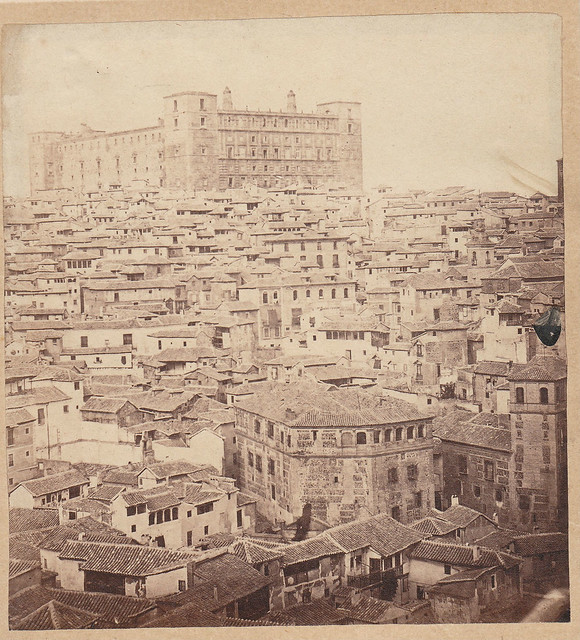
(410, 432)
(308, 293)
(346, 293)
(295, 295)
(487, 257)
(543, 395)
(474, 258)
(361, 437)
(321, 293)
(346, 439)
(333, 294)
(519, 395)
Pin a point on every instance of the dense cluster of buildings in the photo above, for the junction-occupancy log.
(236, 398)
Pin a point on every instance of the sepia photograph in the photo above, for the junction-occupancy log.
(285, 322)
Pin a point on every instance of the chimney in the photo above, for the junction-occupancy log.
(291, 103)
(290, 414)
(81, 535)
(227, 100)
(454, 500)
(476, 552)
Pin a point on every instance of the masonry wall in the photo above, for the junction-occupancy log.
(325, 467)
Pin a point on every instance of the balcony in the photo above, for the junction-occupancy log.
(374, 578)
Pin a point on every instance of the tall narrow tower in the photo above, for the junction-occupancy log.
(291, 102)
(228, 105)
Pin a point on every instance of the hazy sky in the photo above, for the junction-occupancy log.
(447, 99)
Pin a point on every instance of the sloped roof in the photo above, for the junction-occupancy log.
(57, 615)
(461, 515)
(302, 405)
(111, 608)
(381, 532)
(491, 368)
(231, 573)
(41, 395)
(318, 612)
(18, 567)
(462, 555)
(104, 405)
(192, 614)
(90, 529)
(124, 559)
(373, 611)
(316, 547)
(16, 417)
(542, 368)
(471, 433)
(20, 520)
(252, 552)
(537, 543)
(433, 526)
(55, 482)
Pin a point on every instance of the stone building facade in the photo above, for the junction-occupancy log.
(197, 145)
(346, 452)
(539, 440)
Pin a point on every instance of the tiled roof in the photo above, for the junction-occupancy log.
(96, 531)
(498, 540)
(104, 405)
(60, 374)
(54, 482)
(302, 405)
(461, 515)
(161, 402)
(88, 505)
(16, 417)
(124, 475)
(493, 368)
(25, 546)
(232, 574)
(56, 615)
(199, 493)
(473, 434)
(372, 611)
(465, 576)
(105, 492)
(108, 606)
(318, 612)
(433, 526)
(252, 552)
(170, 469)
(542, 368)
(124, 559)
(461, 555)
(20, 520)
(192, 614)
(499, 420)
(537, 543)
(381, 532)
(18, 567)
(317, 547)
(41, 395)
(185, 354)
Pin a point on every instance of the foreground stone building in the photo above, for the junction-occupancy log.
(196, 145)
(346, 452)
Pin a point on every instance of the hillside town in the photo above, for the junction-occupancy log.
(242, 390)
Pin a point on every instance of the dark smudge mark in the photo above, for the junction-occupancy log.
(548, 327)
